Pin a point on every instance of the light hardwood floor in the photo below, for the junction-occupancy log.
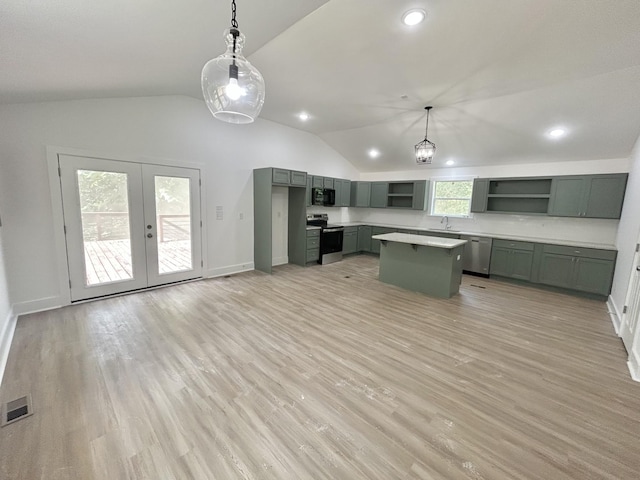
(322, 373)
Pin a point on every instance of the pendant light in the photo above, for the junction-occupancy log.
(233, 88)
(425, 150)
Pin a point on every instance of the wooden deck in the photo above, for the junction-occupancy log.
(110, 260)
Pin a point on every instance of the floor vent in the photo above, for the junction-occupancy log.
(16, 410)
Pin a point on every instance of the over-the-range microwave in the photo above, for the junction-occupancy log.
(323, 196)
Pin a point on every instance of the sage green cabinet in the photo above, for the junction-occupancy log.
(318, 182)
(583, 269)
(479, 195)
(343, 192)
(350, 240)
(364, 238)
(313, 245)
(328, 182)
(588, 196)
(360, 194)
(411, 194)
(379, 193)
(375, 244)
(309, 189)
(293, 178)
(512, 259)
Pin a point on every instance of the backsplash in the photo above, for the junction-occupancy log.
(599, 231)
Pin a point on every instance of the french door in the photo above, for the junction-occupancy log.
(129, 225)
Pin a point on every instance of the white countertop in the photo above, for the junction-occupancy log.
(424, 240)
(552, 241)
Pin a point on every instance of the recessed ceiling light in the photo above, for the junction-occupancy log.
(413, 17)
(450, 162)
(303, 116)
(557, 132)
(373, 153)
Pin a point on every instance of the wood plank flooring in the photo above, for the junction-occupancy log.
(322, 373)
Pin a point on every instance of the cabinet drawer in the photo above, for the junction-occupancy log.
(348, 230)
(299, 178)
(313, 242)
(580, 252)
(313, 232)
(513, 244)
(313, 254)
(281, 176)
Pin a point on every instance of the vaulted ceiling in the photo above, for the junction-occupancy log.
(500, 74)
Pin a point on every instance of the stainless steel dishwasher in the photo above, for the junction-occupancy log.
(477, 254)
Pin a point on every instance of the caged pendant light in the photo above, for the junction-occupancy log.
(233, 88)
(425, 150)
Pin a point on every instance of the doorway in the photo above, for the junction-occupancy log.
(631, 312)
(129, 225)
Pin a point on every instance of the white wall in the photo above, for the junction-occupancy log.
(5, 304)
(178, 129)
(552, 228)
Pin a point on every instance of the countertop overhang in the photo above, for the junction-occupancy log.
(422, 240)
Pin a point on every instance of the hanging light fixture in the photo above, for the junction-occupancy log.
(233, 88)
(425, 149)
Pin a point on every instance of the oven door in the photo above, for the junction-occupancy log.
(331, 245)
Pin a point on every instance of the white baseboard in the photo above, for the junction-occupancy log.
(229, 270)
(614, 313)
(6, 337)
(39, 305)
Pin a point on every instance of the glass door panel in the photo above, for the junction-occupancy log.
(173, 218)
(172, 223)
(102, 205)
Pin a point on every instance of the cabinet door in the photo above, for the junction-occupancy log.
(379, 192)
(479, 195)
(556, 270)
(298, 178)
(328, 182)
(364, 239)
(318, 182)
(309, 186)
(350, 242)
(346, 193)
(281, 177)
(604, 195)
(566, 196)
(361, 194)
(593, 275)
(337, 185)
(500, 262)
(419, 195)
(521, 262)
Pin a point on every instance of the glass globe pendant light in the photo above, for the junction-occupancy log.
(425, 150)
(233, 88)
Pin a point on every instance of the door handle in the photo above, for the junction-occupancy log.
(149, 235)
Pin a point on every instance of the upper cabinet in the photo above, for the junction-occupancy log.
(379, 192)
(360, 194)
(280, 176)
(411, 194)
(343, 192)
(586, 196)
(589, 196)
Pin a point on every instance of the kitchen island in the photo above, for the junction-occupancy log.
(431, 265)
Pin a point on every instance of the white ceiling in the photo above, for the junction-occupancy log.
(499, 73)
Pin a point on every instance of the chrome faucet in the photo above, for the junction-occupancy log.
(445, 220)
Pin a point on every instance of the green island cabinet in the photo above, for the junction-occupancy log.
(313, 245)
(512, 259)
(589, 196)
(583, 269)
(375, 244)
(364, 238)
(350, 240)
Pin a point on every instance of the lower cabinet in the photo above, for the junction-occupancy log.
(364, 238)
(313, 245)
(584, 269)
(350, 240)
(512, 259)
(375, 244)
